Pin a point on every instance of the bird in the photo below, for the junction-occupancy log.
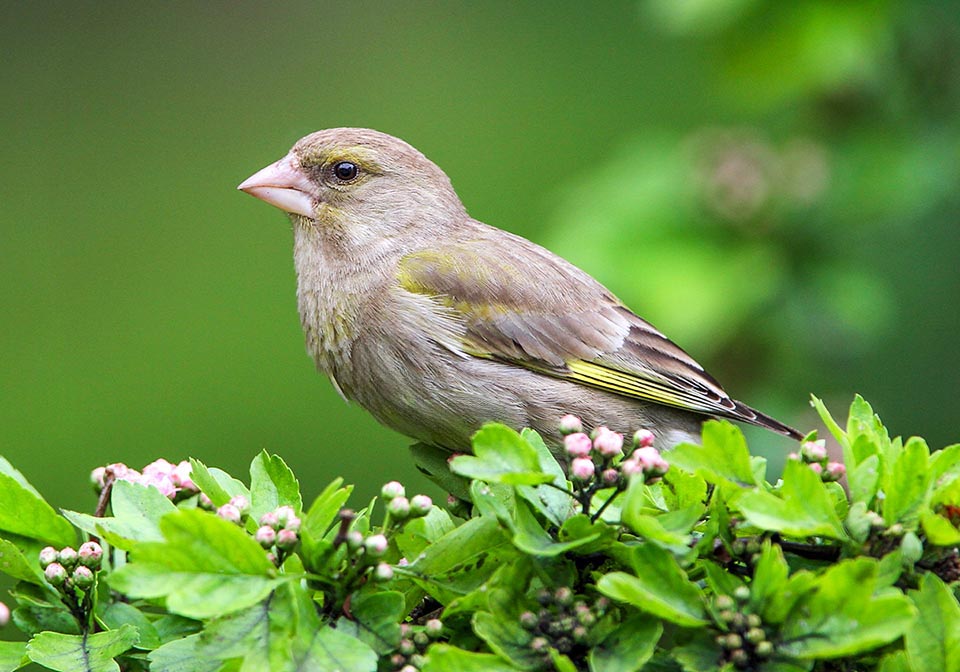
(437, 323)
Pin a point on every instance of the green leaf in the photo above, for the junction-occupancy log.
(933, 640)
(896, 662)
(434, 463)
(137, 510)
(375, 620)
(598, 535)
(506, 638)
(628, 647)
(318, 520)
(838, 433)
(81, 653)
(501, 455)
(843, 617)
(272, 484)
(419, 533)
(939, 530)
(206, 567)
(864, 480)
(530, 537)
(722, 458)
(13, 655)
(216, 484)
(179, 655)
(24, 512)
(446, 658)
(118, 614)
(689, 489)
(805, 509)
(907, 484)
(769, 577)
(554, 505)
(14, 563)
(329, 649)
(661, 587)
(41, 609)
(461, 560)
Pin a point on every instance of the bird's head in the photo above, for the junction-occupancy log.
(356, 178)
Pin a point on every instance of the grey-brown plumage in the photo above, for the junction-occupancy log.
(437, 323)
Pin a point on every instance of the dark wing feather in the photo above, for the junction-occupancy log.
(522, 304)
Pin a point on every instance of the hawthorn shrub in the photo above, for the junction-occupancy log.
(620, 560)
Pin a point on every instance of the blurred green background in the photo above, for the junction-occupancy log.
(774, 185)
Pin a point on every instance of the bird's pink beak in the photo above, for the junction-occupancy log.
(284, 185)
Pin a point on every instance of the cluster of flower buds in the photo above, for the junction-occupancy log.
(744, 640)
(399, 508)
(562, 622)
(814, 454)
(413, 645)
(69, 568)
(236, 511)
(594, 458)
(173, 480)
(279, 531)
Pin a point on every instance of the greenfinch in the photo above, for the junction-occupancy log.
(437, 323)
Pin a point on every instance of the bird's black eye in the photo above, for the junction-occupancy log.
(345, 171)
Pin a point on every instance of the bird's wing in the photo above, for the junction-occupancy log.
(522, 304)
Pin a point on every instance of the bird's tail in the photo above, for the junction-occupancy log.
(744, 413)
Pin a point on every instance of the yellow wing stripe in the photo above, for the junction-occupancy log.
(632, 385)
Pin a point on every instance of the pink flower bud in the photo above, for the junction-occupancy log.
(794, 456)
(90, 555)
(392, 490)
(646, 456)
(266, 536)
(814, 451)
(270, 519)
(835, 471)
(399, 507)
(433, 628)
(182, 478)
(285, 514)
(157, 468)
(205, 502)
(55, 574)
(354, 539)
(68, 557)
(47, 555)
(272, 557)
(420, 505)
(610, 476)
(4, 614)
(402, 562)
(582, 468)
(651, 462)
(242, 504)
(230, 513)
(83, 577)
(643, 438)
(570, 424)
(375, 545)
(577, 444)
(293, 524)
(609, 444)
(817, 467)
(121, 472)
(160, 481)
(287, 539)
(383, 572)
(96, 478)
(631, 467)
